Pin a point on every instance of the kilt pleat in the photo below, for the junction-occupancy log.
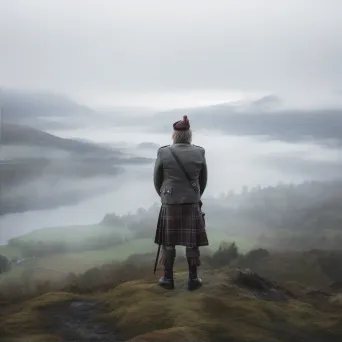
(181, 224)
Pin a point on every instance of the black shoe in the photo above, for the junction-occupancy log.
(166, 283)
(194, 284)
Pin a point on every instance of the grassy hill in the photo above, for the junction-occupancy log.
(78, 256)
(56, 266)
(278, 218)
(123, 302)
(72, 234)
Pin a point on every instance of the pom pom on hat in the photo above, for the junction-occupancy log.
(182, 125)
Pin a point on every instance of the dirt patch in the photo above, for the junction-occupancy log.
(77, 321)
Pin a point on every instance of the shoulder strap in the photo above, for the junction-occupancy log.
(181, 166)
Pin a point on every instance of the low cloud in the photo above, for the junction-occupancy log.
(261, 119)
(148, 145)
(39, 170)
(308, 168)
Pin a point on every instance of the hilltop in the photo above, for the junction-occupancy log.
(126, 305)
(289, 235)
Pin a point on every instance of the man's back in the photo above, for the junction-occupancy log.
(170, 181)
(181, 220)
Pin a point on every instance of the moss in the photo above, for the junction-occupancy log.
(220, 311)
(143, 312)
(173, 334)
(33, 338)
(49, 299)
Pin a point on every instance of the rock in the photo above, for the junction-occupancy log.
(312, 292)
(336, 299)
(336, 285)
(261, 287)
(77, 321)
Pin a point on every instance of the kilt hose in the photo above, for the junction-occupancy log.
(182, 225)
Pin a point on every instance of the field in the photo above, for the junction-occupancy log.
(58, 265)
(73, 234)
(300, 306)
(10, 252)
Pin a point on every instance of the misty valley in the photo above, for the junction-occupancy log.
(260, 218)
(170, 171)
(78, 214)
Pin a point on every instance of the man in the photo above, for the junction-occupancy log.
(181, 221)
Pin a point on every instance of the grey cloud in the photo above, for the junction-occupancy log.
(114, 47)
(293, 126)
(43, 110)
(297, 164)
(148, 145)
(51, 190)
(266, 117)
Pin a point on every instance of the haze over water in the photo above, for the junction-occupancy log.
(233, 162)
(159, 55)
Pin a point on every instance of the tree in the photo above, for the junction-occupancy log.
(5, 264)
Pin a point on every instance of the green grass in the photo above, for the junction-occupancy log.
(81, 261)
(78, 262)
(119, 252)
(18, 270)
(215, 312)
(72, 234)
(10, 252)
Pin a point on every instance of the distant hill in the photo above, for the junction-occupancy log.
(42, 110)
(265, 117)
(308, 215)
(33, 162)
(39, 170)
(13, 134)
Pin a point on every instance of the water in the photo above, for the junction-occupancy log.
(232, 163)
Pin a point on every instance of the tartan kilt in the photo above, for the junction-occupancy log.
(181, 224)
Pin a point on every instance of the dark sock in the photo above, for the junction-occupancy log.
(169, 256)
(168, 269)
(192, 268)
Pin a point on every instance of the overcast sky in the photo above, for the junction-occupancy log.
(185, 52)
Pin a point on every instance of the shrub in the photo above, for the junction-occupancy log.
(253, 257)
(331, 264)
(225, 254)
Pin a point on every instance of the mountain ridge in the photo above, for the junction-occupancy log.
(33, 159)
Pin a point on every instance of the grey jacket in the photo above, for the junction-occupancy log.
(169, 180)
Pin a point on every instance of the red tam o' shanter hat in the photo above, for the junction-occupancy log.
(182, 125)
